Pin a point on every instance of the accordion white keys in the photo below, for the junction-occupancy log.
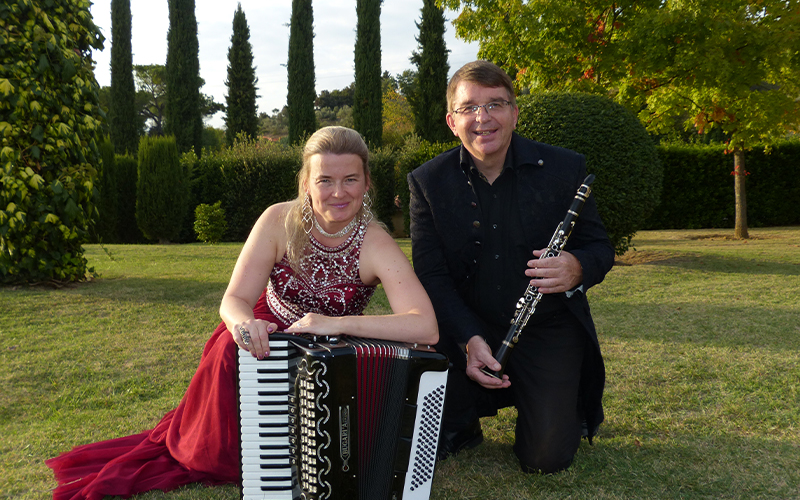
(340, 419)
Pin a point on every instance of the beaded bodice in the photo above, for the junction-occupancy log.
(327, 281)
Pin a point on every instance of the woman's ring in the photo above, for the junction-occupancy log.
(245, 335)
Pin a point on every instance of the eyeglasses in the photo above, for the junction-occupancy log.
(472, 110)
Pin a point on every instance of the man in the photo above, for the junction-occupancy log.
(481, 215)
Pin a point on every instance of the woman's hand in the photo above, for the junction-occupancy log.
(316, 324)
(253, 335)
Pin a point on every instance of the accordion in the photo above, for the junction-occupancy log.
(340, 418)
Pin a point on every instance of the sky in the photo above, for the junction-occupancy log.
(334, 42)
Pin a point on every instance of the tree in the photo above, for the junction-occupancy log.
(242, 114)
(398, 119)
(183, 103)
(714, 65)
(151, 98)
(429, 102)
(124, 129)
(50, 123)
(152, 95)
(335, 98)
(367, 102)
(300, 66)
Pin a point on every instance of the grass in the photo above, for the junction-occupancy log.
(700, 333)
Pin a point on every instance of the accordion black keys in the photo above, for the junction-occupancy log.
(341, 418)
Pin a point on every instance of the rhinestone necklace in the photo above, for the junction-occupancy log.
(349, 227)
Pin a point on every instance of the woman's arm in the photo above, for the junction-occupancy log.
(413, 319)
(264, 247)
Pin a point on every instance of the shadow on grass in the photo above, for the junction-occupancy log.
(711, 263)
(631, 467)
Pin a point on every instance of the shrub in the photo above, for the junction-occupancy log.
(381, 167)
(618, 151)
(209, 222)
(414, 153)
(50, 119)
(162, 189)
(127, 175)
(107, 198)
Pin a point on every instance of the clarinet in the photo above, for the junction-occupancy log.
(526, 305)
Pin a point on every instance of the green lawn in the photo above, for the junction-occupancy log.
(701, 337)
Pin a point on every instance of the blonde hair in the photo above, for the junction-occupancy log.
(327, 140)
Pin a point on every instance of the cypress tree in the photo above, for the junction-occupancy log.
(301, 80)
(241, 99)
(122, 110)
(429, 103)
(162, 189)
(367, 102)
(182, 112)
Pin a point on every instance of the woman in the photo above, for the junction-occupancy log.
(308, 266)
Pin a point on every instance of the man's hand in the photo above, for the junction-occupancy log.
(479, 355)
(558, 274)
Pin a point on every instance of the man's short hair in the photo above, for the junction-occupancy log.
(483, 73)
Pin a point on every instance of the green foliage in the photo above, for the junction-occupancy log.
(209, 222)
(50, 121)
(727, 65)
(697, 187)
(429, 102)
(123, 121)
(367, 102)
(241, 82)
(381, 167)
(398, 119)
(335, 98)
(247, 178)
(414, 153)
(107, 184)
(617, 149)
(151, 96)
(300, 72)
(127, 176)
(162, 189)
(182, 111)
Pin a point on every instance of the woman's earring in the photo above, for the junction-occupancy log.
(367, 204)
(308, 214)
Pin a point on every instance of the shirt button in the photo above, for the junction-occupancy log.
(473, 205)
(476, 224)
(498, 287)
(496, 257)
(494, 226)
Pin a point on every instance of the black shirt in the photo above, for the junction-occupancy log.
(504, 254)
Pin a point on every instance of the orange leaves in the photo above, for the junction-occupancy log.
(717, 115)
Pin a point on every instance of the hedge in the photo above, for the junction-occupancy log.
(699, 193)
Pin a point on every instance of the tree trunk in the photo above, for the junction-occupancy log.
(739, 175)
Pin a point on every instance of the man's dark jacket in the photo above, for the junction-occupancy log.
(447, 236)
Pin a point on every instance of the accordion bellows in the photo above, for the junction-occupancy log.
(340, 419)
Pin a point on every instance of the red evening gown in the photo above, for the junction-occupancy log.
(199, 440)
